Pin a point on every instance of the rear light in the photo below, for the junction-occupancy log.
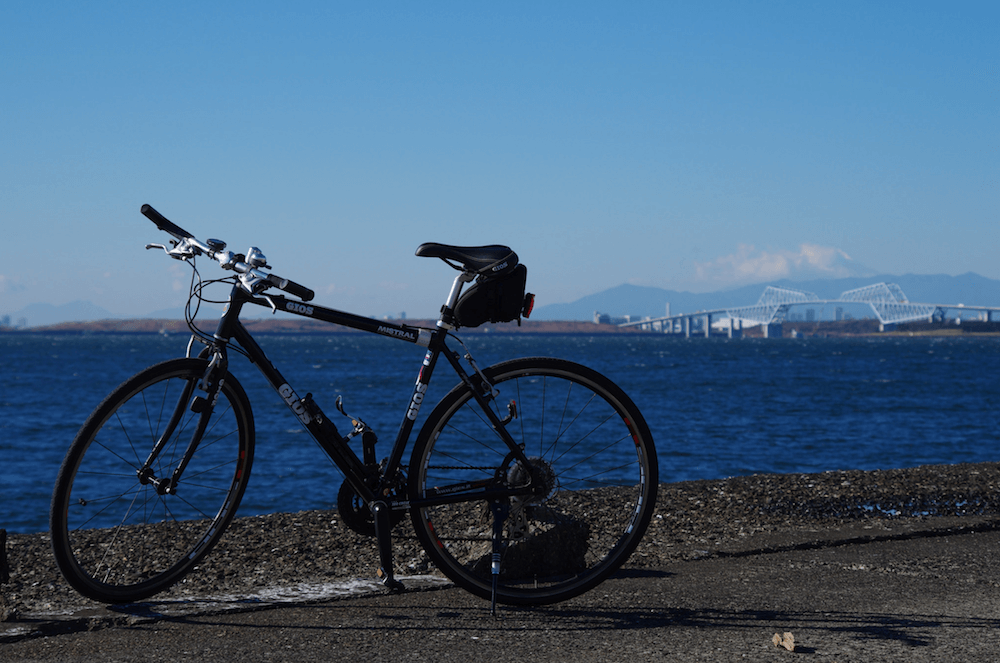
(529, 304)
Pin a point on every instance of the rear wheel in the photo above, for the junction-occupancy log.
(116, 536)
(590, 451)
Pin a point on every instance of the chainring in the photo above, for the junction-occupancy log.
(356, 514)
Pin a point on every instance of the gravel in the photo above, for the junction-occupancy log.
(693, 520)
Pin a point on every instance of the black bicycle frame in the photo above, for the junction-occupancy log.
(369, 483)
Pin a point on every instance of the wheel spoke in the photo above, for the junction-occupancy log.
(120, 534)
(592, 469)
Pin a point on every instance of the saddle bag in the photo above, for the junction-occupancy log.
(495, 299)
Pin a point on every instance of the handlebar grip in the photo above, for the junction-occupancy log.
(163, 223)
(300, 291)
(292, 288)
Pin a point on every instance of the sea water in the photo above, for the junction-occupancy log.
(716, 408)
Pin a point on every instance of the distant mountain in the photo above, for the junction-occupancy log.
(36, 315)
(206, 311)
(641, 301)
(41, 315)
(166, 314)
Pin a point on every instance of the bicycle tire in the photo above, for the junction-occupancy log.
(585, 438)
(114, 537)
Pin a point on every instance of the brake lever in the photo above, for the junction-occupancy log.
(180, 250)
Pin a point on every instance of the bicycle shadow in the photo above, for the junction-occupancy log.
(458, 617)
(862, 626)
(637, 573)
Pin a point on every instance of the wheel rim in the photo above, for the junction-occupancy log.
(585, 451)
(125, 537)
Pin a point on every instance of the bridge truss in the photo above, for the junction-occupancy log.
(886, 300)
(772, 306)
(889, 303)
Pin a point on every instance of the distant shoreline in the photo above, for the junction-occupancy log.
(314, 327)
(801, 330)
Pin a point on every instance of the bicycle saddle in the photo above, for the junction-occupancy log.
(494, 260)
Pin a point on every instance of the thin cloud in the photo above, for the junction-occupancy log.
(8, 284)
(749, 265)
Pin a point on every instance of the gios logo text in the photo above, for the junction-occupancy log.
(295, 307)
(292, 399)
(418, 398)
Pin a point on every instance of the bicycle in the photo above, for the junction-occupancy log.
(530, 482)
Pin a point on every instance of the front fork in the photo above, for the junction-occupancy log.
(201, 404)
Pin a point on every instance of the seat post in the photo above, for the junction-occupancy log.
(446, 319)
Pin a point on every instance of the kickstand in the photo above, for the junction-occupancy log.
(380, 511)
(500, 511)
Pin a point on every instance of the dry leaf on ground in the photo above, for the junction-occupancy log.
(787, 641)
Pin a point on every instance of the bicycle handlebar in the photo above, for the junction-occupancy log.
(163, 224)
(251, 277)
(291, 287)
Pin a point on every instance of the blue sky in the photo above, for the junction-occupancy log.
(690, 146)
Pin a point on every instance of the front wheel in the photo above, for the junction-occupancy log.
(120, 533)
(592, 464)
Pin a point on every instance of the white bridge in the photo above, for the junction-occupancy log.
(886, 300)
